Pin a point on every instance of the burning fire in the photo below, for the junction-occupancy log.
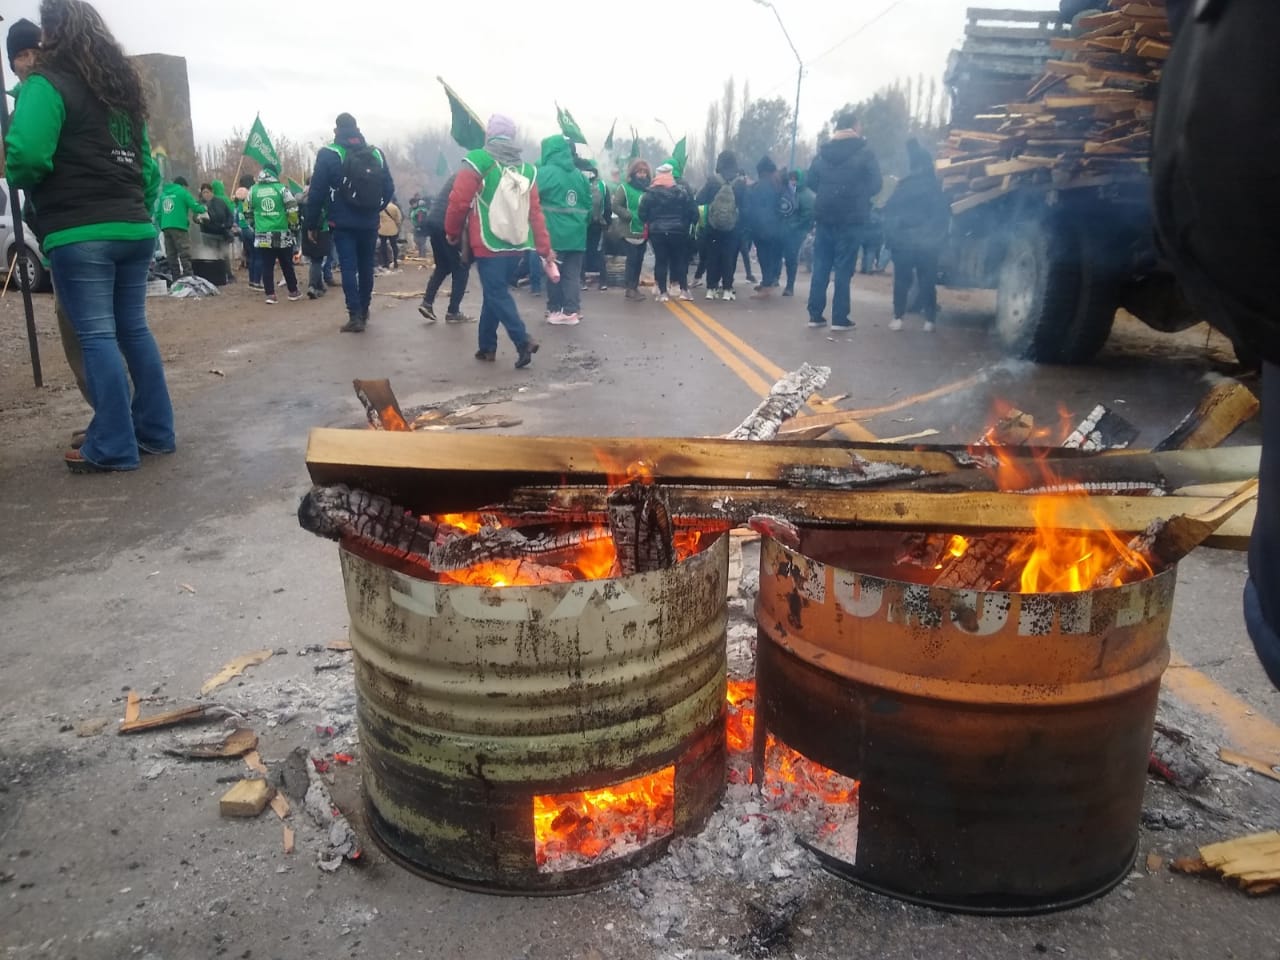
(572, 830)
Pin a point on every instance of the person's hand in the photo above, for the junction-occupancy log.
(453, 241)
(311, 235)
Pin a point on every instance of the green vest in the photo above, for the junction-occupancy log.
(270, 215)
(633, 204)
(490, 175)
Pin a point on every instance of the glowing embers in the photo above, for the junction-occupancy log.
(574, 830)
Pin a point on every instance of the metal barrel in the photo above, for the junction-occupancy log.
(473, 700)
(1001, 739)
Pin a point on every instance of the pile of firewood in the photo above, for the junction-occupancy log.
(1085, 121)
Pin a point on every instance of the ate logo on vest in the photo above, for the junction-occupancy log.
(571, 198)
(168, 204)
(121, 128)
(268, 204)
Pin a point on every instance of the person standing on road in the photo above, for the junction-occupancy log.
(273, 213)
(844, 178)
(916, 220)
(495, 200)
(449, 263)
(23, 45)
(419, 210)
(78, 145)
(248, 248)
(177, 207)
(724, 198)
(626, 214)
(353, 181)
(316, 242)
(390, 220)
(566, 204)
(601, 215)
(668, 211)
(796, 227)
(764, 221)
(1216, 209)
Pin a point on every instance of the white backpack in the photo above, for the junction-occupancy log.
(509, 209)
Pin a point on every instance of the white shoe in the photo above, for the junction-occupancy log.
(686, 295)
(554, 317)
(713, 295)
(728, 295)
(896, 324)
(928, 326)
(662, 298)
(567, 319)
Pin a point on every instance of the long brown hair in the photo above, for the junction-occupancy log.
(78, 41)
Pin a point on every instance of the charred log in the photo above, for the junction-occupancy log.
(783, 402)
(643, 531)
(380, 405)
(1102, 429)
(339, 511)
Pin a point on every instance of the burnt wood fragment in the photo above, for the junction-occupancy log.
(642, 528)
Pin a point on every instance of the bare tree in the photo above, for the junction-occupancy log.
(729, 113)
(710, 137)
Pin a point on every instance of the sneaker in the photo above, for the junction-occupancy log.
(686, 296)
(567, 319)
(603, 288)
(847, 325)
(272, 299)
(524, 356)
(295, 296)
(487, 355)
(928, 326)
(816, 323)
(713, 294)
(555, 317)
(663, 298)
(457, 318)
(896, 324)
(255, 286)
(728, 295)
(427, 311)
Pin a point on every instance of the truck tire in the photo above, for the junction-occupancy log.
(34, 269)
(1056, 297)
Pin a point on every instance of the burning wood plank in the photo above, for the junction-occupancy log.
(642, 529)
(340, 511)
(1219, 414)
(783, 402)
(380, 405)
(1102, 429)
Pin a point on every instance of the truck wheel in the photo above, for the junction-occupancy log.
(1056, 296)
(30, 264)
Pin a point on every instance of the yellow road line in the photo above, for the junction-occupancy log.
(853, 431)
(1248, 731)
(912, 400)
(748, 376)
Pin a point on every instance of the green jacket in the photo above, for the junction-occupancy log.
(565, 195)
(177, 205)
(38, 116)
(272, 211)
(802, 220)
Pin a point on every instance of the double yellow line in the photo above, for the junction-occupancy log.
(751, 366)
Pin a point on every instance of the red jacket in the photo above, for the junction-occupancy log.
(465, 188)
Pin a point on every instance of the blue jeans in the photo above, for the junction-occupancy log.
(536, 273)
(251, 255)
(103, 287)
(835, 250)
(498, 306)
(355, 249)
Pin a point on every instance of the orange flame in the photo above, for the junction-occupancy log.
(740, 721)
(572, 829)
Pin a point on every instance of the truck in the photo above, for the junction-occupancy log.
(1051, 201)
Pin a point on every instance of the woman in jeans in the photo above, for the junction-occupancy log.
(78, 145)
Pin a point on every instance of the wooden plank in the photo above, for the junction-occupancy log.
(169, 718)
(132, 707)
(1096, 21)
(1236, 759)
(1002, 15)
(978, 199)
(1066, 68)
(1017, 165)
(1098, 98)
(1142, 11)
(247, 798)
(233, 669)
(963, 166)
(1153, 49)
(1065, 45)
(1221, 411)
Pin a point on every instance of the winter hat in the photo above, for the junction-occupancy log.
(346, 124)
(23, 35)
(500, 126)
(666, 167)
(727, 164)
(846, 121)
(766, 166)
(241, 193)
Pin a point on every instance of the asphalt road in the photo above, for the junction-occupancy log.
(152, 581)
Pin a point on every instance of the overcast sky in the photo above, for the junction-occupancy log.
(299, 67)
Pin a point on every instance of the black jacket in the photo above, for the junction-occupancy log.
(845, 177)
(440, 206)
(917, 216)
(220, 219)
(764, 219)
(668, 209)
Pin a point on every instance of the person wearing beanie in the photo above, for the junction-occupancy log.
(23, 47)
(495, 214)
(845, 178)
(627, 224)
(916, 220)
(725, 198)
(350, 187)
(668, 212)
(764, 221)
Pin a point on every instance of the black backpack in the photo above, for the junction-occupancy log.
(362, 178)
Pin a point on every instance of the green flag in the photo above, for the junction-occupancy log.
(442, 165)
(635, 144)
(568, 126)
(258, 146)
(467, 130)
(679, 155)
(608, 141)
(296, 188)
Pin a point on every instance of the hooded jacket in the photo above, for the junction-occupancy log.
(668, 207)
(764, 219)
(565, 195)
(917, 215)
(177, 206)
(327, 179)
(844, 178)
(801, 222)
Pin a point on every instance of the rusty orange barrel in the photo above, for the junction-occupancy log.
(1001, 739)
(473, 700)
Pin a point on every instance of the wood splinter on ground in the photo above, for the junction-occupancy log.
(247, 798)
(233, 669)
(235, 744)
(1251, 862)
(171, 718)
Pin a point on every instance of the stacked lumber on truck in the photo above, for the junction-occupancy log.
(1086, 122)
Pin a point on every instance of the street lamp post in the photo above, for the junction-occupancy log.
(795, 117)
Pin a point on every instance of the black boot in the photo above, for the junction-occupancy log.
(355, 322)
